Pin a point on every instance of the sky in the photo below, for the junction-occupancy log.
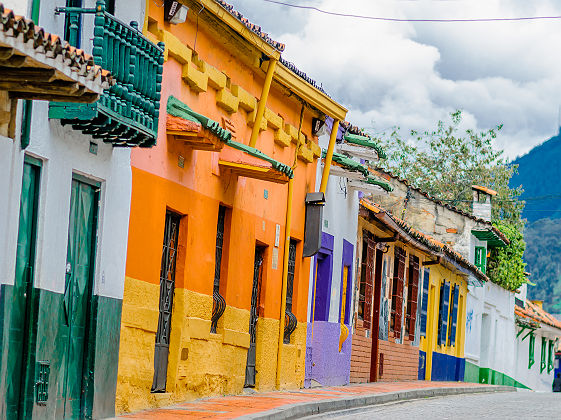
(411, 75)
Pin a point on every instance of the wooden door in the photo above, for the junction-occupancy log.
(78, 294)
(19, 396)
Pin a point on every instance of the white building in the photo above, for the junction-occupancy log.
(65, 208)
(537, 338)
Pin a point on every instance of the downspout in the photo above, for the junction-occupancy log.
(329, 156)
(27, 108)
(285, 257)
(263, 102)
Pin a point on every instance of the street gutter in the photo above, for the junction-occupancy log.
(299, 410)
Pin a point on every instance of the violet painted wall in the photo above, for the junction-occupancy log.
(328, 367)
(324, 272)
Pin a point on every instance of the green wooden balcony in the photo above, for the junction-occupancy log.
(125, 115)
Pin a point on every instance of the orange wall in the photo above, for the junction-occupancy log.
(197, 190)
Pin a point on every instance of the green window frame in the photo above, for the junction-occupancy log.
(481, 258)
(531, 345)
(543, 364)
(551, 357)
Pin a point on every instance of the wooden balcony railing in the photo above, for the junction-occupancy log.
(127, 113)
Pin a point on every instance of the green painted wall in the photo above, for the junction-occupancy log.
(476, 374)
(51, 335)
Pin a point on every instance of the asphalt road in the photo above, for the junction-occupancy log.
(503, 405)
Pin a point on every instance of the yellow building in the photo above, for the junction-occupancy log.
(411, 302)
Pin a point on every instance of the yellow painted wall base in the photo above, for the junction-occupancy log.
(201, 364)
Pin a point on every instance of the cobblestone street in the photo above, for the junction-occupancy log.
(508, 405)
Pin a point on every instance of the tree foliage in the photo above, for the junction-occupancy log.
(506, 265)
(447, 161)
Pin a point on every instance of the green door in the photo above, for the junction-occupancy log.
(19, 341)
(78, 295)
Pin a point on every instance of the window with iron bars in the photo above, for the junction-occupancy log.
(290, 319)
(219, 304)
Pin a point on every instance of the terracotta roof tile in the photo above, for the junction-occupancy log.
(251, 26)
(534, 313)
(52, 46)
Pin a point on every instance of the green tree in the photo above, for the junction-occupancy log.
(446, 162)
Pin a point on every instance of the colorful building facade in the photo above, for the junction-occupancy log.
(216, 290)
(332, 277)
(409, 303)
(65, 212)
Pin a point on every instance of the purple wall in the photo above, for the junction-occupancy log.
(328, 367)
(324, 363)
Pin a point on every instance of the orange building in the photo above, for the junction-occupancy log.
(215, 282)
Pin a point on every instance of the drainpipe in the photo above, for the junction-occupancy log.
(329, 157)
(284, 279)
(262, 101)
(28, 104)
(285, 257)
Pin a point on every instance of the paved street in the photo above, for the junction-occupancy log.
(504, 405)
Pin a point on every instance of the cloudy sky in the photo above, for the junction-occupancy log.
(413, 74)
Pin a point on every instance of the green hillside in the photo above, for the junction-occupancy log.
(539, 173)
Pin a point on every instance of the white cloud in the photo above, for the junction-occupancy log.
(413, 74)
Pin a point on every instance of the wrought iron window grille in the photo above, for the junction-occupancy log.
(167, 290)
(290, 321)
(219, 304)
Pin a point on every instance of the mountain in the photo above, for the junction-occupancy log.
(539, 173)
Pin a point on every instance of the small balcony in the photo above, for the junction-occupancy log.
(126, 115)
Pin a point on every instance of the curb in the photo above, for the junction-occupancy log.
(299, 410)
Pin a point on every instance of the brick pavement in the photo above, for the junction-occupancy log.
(229, 407)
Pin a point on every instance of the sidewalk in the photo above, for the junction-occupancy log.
(303, 402)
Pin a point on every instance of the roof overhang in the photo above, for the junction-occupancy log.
(490, 236)
(222, 20)
(309, 93)
(363, 186)
(262, 172)
(404, 236)
(42, 69)
(357, 151)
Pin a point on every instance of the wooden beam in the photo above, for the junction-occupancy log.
(57, 88)
(435, 262)
(86, 98)
(385, 240)
(6, 52)
(33, 74)
(15, 61)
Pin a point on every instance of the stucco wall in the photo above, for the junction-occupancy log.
(490, 328)
(340, 218)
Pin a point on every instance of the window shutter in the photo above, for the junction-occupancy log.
(444, 299)
(367, 315)
(425, 301)
(543, 356)
(532, 344)
(412, 295)
(551, 357)
(452, 336)
(399, 278)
